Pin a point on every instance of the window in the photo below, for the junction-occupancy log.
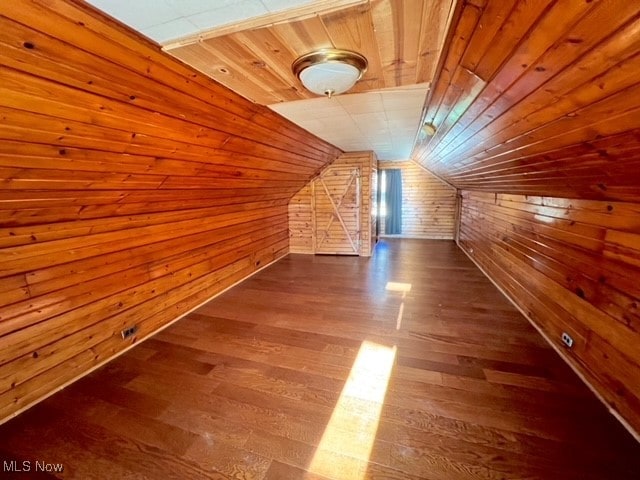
(391, 203)
(383, 192)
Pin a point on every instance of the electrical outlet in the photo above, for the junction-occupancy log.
(567, 340)
(127, 332)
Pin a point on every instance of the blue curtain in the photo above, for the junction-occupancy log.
(393, 201)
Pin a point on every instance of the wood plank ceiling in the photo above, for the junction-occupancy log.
(400, 38)
(539, 98)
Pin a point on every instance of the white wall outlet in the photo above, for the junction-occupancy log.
(567, 340)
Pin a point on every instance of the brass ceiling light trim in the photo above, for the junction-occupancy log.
(329, 71)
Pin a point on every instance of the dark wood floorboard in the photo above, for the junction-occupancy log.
(250, 386)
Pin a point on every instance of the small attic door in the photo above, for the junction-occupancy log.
(336, 197)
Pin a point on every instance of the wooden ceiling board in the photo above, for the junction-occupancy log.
(400, 38)
(388, 53)
(490, 23)
(267, 45)
(354, 27)
(523, 80)
(221, 70)
(303, 37)
(235, 56)
(527, 84)
(436, 18)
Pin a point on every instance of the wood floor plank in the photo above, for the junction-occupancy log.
(265, 382)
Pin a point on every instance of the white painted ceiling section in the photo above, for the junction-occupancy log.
(165, 20)
(384, 121)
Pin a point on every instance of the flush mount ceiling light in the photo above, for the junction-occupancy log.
(329, 71)
(428, 129)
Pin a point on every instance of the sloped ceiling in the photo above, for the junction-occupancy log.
(539, 98)
(400, 38)
(252, 55)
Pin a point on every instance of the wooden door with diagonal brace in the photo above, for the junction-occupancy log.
(336, 197)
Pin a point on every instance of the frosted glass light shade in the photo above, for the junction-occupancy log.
(329, 78)
(329, 71)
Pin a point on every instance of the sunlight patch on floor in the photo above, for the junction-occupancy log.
(398, 287)
(403, 288)
(348, 439)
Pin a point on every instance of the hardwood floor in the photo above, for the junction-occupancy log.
(318, 367)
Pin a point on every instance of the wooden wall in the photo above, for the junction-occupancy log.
(374, 203)
(428, 204)
(572, 266)
(538, 105)
(368, 168)
(301, 207)
(539, 98)
(132, 189)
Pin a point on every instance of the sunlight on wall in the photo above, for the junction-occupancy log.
(546, 214)
(348, 439)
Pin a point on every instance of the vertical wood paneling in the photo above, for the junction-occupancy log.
(132, 189)
(302, 210)
(428, 205)
(571, 266)
(373, 202)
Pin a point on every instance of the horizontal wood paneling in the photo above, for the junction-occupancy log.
(302, 208)
(132, 189)
(401, 40)
(539, 98)
(572, 266)
(428, 204)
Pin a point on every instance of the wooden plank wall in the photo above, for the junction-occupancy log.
(538, 104)
(133, 189)
(367, 162)
(373, 201)
(539, 98)
(301, 221)
(428, 204)
(571, 266)
(301, 208)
